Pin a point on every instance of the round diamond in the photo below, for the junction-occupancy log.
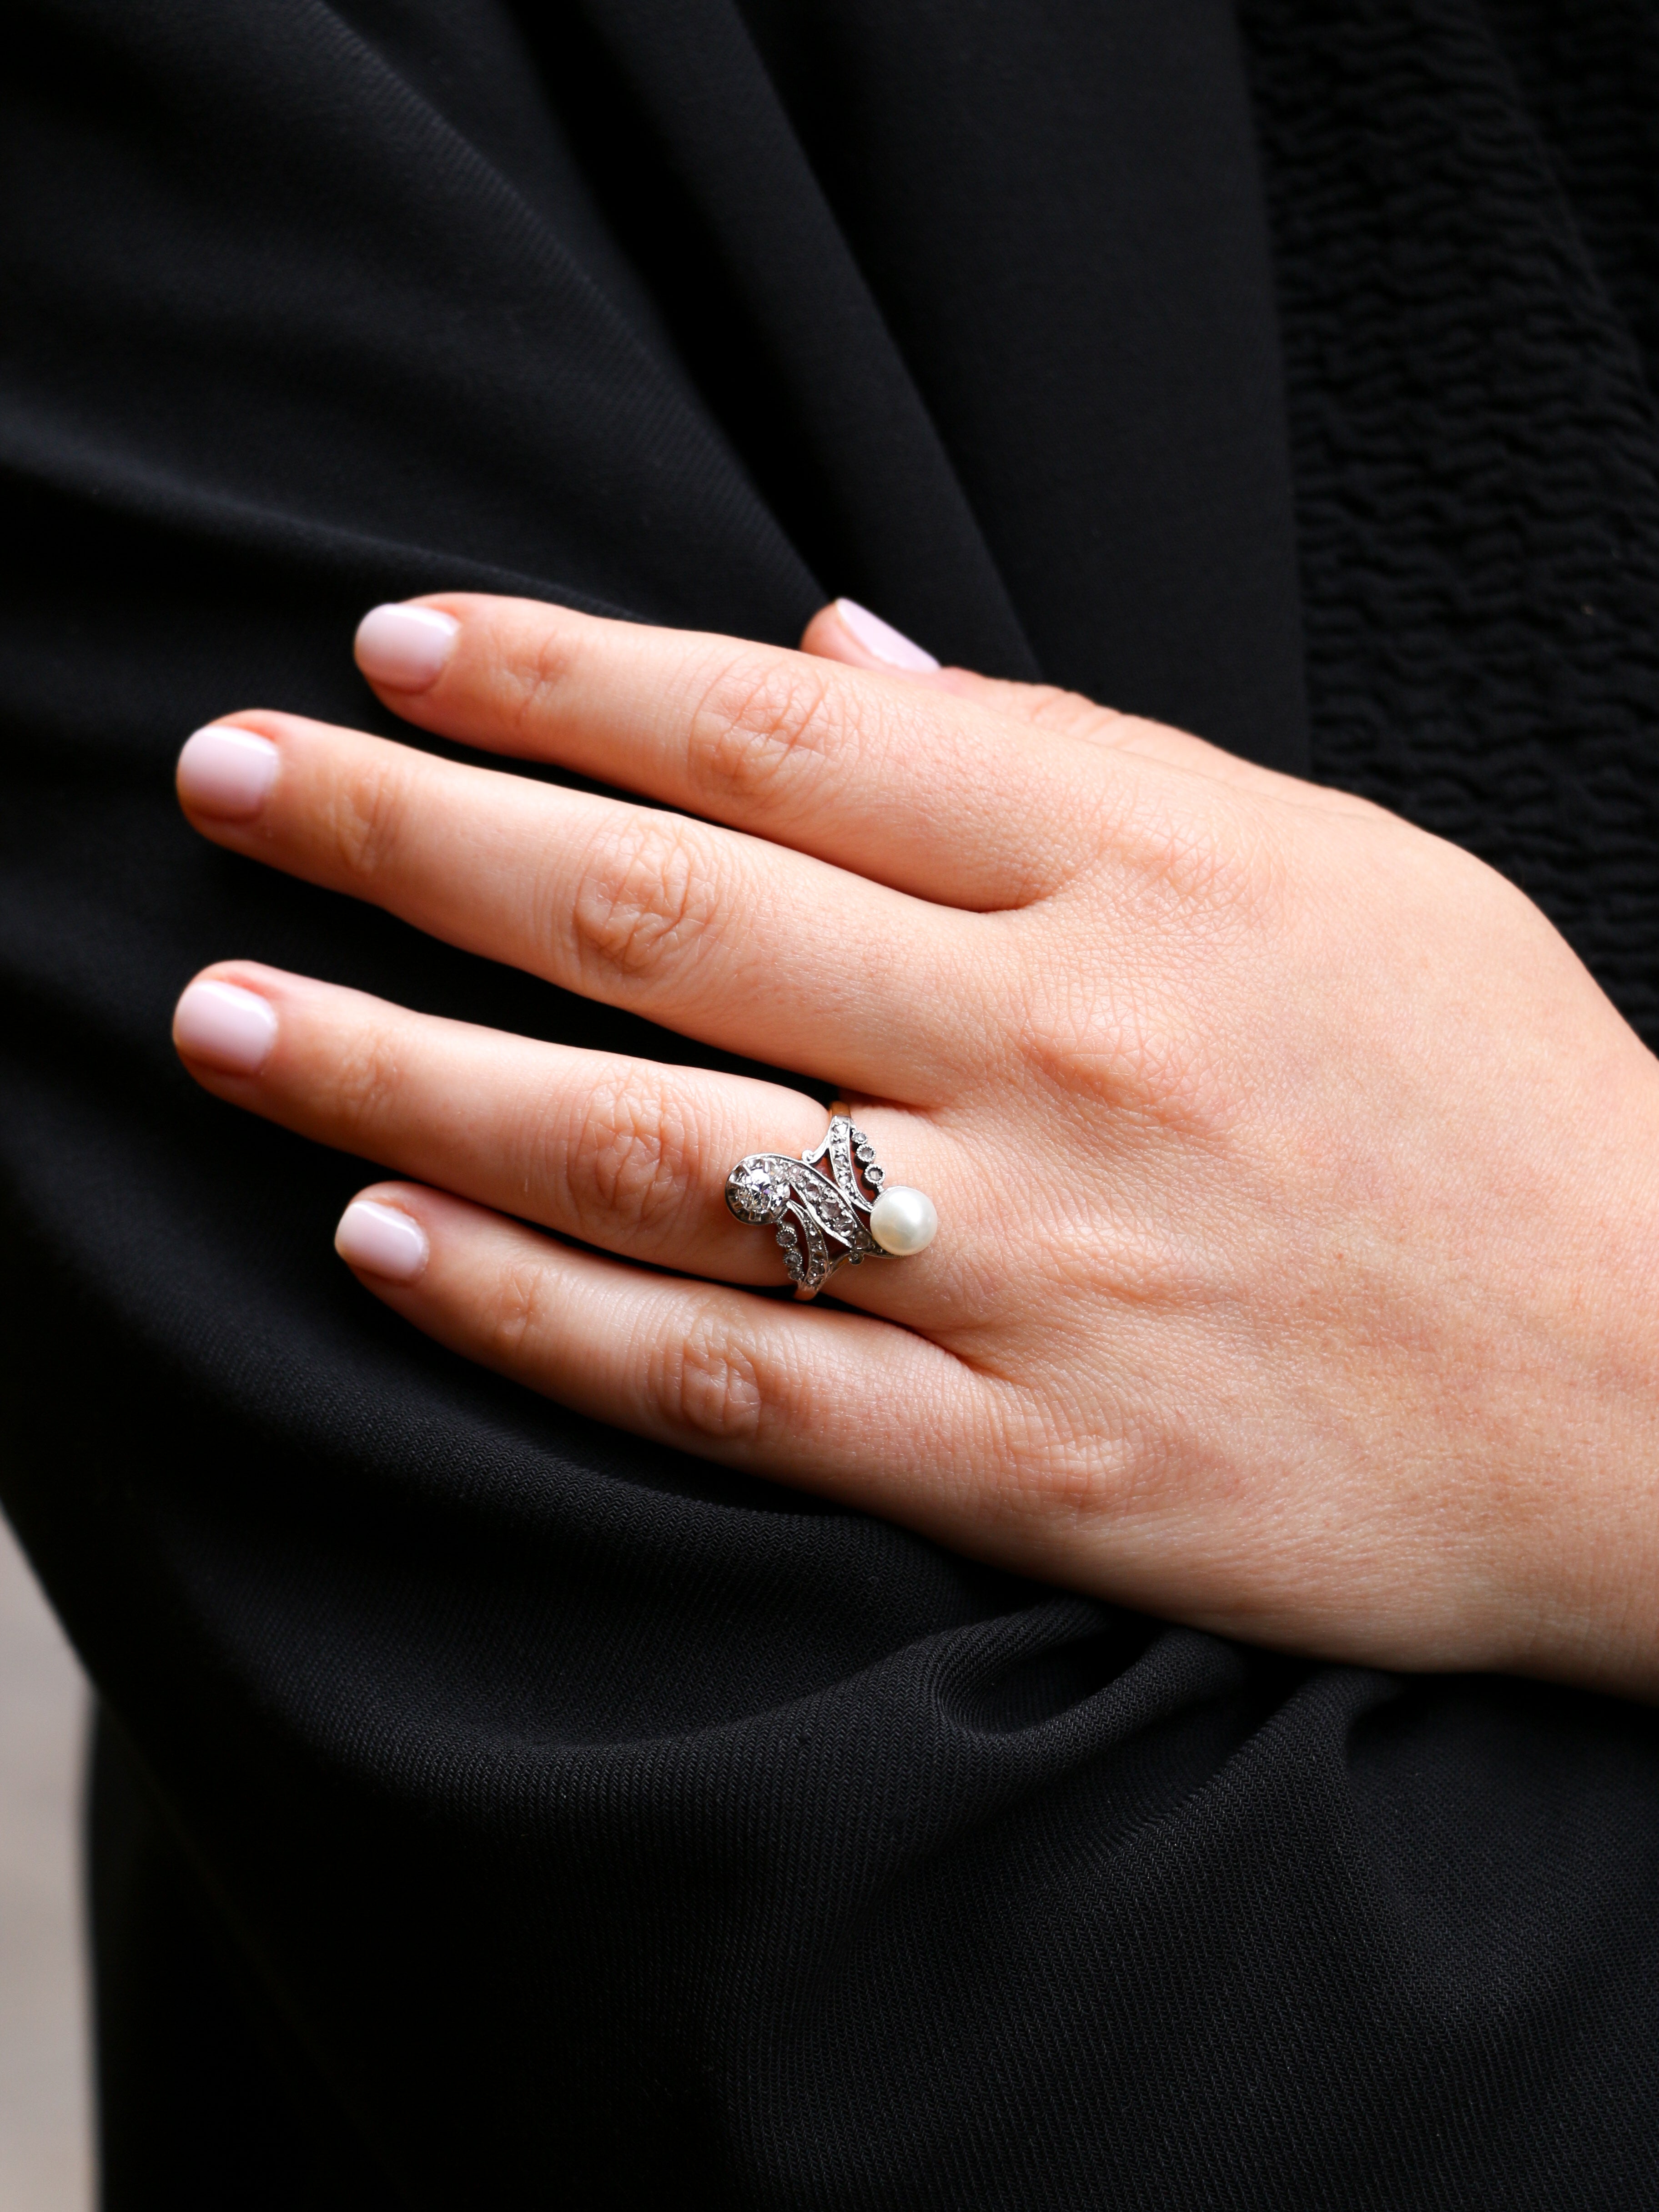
(756, 1190)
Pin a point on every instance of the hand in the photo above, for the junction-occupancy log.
(1298, 1189)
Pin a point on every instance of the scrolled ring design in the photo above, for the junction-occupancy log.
(825, 1221)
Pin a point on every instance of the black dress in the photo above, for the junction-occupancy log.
(491, 1809)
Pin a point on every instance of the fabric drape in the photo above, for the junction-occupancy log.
(490, 1808)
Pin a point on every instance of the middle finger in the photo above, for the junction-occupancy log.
(718, 935)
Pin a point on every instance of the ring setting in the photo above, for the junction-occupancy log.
(831, 1206)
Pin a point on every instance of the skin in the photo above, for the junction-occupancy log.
(1299, 1189)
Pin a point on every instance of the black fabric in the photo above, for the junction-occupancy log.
(206, 2097)
(1465, 204)
(495, 1810)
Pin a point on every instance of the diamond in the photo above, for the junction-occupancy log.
(756, 1189)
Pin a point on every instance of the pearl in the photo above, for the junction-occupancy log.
(902, 1221)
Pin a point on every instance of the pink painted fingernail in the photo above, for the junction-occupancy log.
(230, 1029)
(405, 648)
(382, 1240)
(227, 773)
(880, 638)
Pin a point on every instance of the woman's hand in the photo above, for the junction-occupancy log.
(1298, 1189)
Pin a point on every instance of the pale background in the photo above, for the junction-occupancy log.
(45, 2155)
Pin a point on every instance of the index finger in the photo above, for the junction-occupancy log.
(928, 793)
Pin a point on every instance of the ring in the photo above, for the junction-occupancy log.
(822, 1220)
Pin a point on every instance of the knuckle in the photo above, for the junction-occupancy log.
(365, 822)
(761, 717)
(1216, 866)
(367, 1076)
(514, 1319)
(1201, 902)
(705, 1382)
(630, 1160)
(1057, 1471)
(530, 673)
(1071, 715)
(1116, 1038)
(647, 898)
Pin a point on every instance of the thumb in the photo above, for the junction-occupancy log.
(846, 632)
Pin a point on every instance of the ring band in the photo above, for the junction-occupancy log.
(825, 1221)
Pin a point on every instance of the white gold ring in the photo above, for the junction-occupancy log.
(823, 1220)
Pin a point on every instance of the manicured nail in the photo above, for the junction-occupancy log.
(381, 1241)
(230, 1029)
(406, 647)
(228, 773)
(880, 638)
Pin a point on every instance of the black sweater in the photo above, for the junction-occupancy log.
(493, 1809)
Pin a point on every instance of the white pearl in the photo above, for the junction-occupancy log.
(903, 1221)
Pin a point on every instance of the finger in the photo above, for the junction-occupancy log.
(821, 1399)
(843, 631)
(723, 937)
(623, 1153)
(848, 632)
(877, 775)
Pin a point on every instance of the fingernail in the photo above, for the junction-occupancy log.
(880, 638)
(231, 1029)
(226, 772)
(406, 647)
(381, 1241)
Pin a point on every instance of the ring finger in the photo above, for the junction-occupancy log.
(625, 1154)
